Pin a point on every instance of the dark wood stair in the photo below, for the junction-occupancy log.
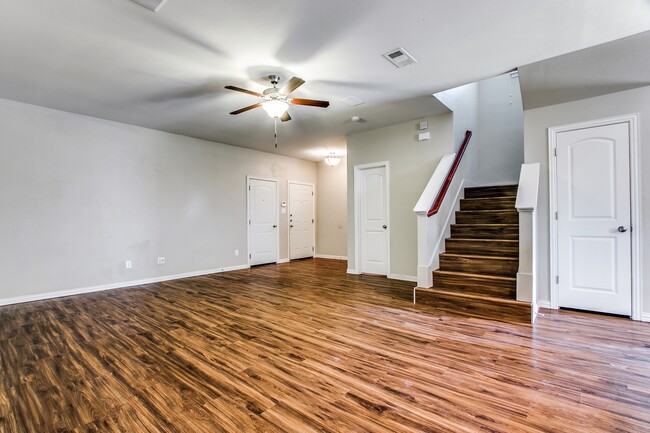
(477, 275)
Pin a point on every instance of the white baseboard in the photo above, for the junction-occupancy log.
(353, 272)
(544, 304)
(121, 285)
(327, 256)
(411, 278)
(283, 261)
(645, 317)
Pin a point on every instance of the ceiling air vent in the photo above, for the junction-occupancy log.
(153, 5)
(400, 57)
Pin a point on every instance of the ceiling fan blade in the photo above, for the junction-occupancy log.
(310, 102)
(285, 117)
(250, 107)
(239, 89)
(292, 85)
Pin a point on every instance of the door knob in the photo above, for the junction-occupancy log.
(622, 229)
(385, 226)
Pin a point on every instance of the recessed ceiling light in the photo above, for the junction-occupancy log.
(400, 57)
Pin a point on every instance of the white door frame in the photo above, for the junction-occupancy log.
(635, 200)
(313, 212)
(357, 213)
(277, 216)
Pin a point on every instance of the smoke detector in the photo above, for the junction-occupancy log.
(400, 57)
(153, 5)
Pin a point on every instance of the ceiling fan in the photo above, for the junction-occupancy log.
(276, 100)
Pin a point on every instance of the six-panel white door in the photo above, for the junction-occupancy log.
(301, 220)
(593, 203)
(263, 221)
(373, 211)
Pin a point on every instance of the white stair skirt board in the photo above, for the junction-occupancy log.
(524, 286)
(121, 285)
(327, 256)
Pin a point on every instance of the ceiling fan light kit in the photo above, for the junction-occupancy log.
(275, 101)
(275, 107)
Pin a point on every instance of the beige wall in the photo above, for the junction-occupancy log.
(332, 211)
(536, 124)
(80, 195)
(411, 165)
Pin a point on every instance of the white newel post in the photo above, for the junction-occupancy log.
(526, 204)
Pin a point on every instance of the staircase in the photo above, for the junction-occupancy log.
(477, 275)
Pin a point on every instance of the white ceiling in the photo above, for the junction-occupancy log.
(119, 61)
(611, 67)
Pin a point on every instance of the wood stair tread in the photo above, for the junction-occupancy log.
(489, 224)
(480, 276)
(512, 241)
(475, 256)
(513, 210)
(473, 296)
(514, 196)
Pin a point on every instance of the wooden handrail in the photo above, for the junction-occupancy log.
(452, 171)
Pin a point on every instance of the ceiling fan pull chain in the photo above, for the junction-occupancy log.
(275, 122)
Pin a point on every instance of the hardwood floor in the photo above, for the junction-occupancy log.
(303, 347)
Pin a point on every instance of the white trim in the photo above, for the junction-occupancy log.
(411, 278)
(357, 215)
(329, 257)
(545, 304)
(353, 272)
(313, 212)
(285, 260)
(645, 317)
(277, 216)
(121, 285)
(635, 201)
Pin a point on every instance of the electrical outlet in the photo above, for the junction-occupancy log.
(236, 252)
(161, 260)
(129, 265)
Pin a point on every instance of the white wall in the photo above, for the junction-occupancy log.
(463, 102)
(332, 211)
(80, 195)
(501, 126)
(411, 165)
(536, 124)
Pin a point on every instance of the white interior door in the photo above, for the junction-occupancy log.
(262, 221)
(301, 220)
(373, 210)
(594, 242)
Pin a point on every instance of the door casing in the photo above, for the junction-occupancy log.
(635, 200)
(313, 212)
(357, 213)
(277, 216)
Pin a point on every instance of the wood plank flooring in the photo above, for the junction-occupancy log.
(304, 347)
